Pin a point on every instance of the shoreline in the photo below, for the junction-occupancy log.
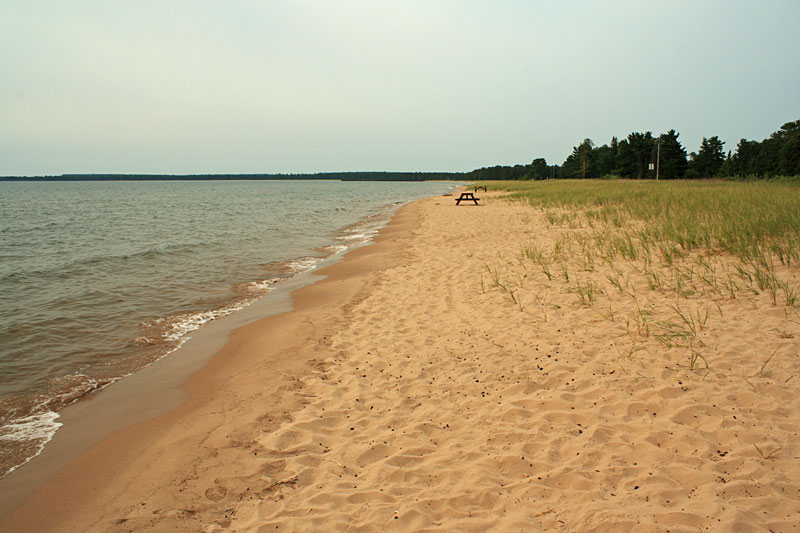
(109, 307)
(144, 394)
(69, 427)
(83, 471)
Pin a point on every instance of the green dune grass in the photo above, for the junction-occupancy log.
(755, 221)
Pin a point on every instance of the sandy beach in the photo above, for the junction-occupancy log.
(443, 379)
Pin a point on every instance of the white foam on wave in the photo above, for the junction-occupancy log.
(37, 428)
(336, 249)
(188, 323)
(182, 325)
(359, 235)
(304, 264)
(263, 285)
(354, 237)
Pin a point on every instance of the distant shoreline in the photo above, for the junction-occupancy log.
(340, 176)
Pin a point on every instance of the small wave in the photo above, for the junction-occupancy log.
(91, 263)
(15, 276)
(144, 341)
(180, 325)
(29, 422)
(359, 235)
(354, 237)
(35, 430)
(38, 426)
(334, 249)
(262, 286)
(304, 264)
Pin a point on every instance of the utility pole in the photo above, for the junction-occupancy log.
(584, 168)
(658, 157)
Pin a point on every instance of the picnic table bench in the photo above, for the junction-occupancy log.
(479, 187)
(466, 197)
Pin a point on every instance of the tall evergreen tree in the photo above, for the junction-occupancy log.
(789, 135)
(634, 155)
(581, 162)
(605, 158)
(707, 162)
(744, 161)
(672, 158)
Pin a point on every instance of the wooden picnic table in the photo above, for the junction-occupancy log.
(467, 197)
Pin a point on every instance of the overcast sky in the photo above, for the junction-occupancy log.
(191, 86)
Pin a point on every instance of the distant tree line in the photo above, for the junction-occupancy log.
(641, 155)
(343, 176)
(500, 172)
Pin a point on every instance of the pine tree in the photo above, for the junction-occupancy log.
(673, 162)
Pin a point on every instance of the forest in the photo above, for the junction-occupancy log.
(642, 156)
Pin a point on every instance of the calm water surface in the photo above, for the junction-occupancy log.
(98, 279)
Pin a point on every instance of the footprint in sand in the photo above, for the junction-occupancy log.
(217, 492)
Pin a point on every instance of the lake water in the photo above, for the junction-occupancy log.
(99, 279)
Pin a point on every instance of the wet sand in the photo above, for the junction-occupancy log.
(441, 380)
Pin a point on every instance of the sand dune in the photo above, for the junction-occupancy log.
(445, 381)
